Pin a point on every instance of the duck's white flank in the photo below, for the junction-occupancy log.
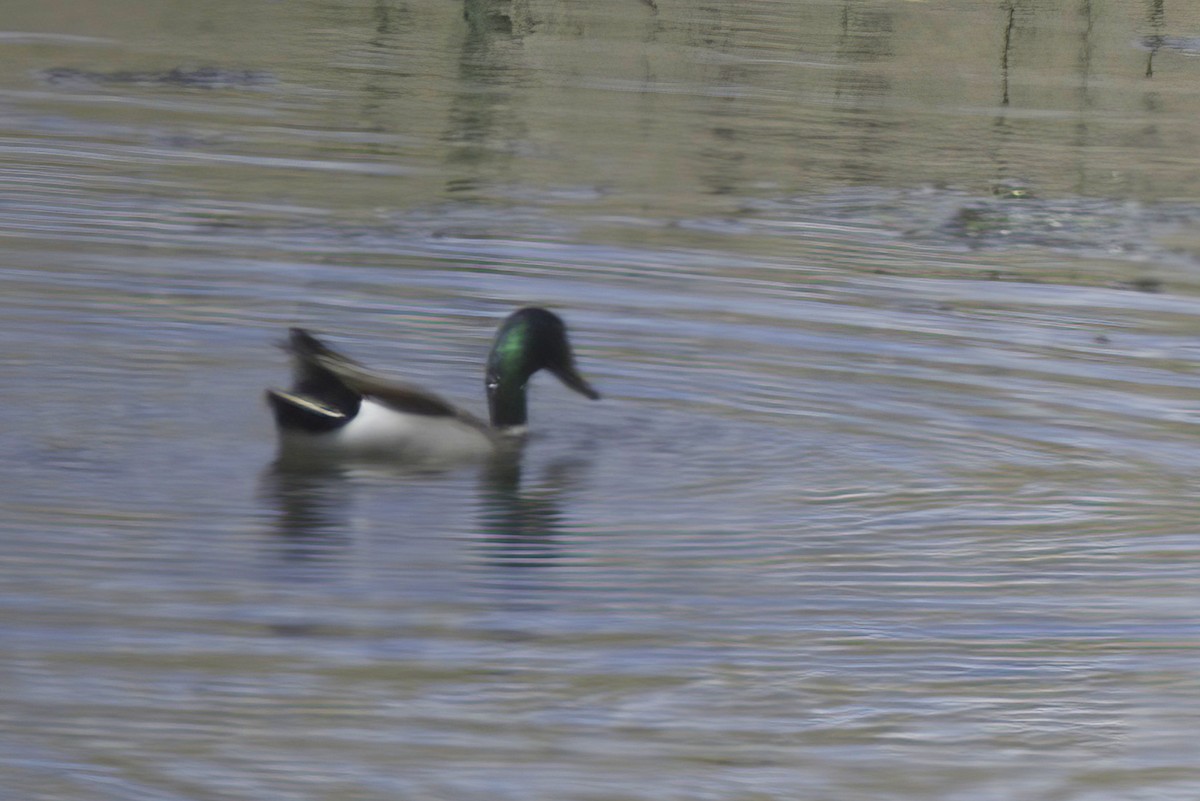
(379, 430)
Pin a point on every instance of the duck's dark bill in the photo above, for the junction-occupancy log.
(575, 381)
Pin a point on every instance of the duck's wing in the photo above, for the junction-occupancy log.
(316, 360)
(311, 359)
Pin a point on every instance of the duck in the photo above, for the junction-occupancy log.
(337, 407)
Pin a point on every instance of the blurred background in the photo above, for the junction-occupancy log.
(891, 494)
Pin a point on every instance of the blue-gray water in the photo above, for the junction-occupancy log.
(891, 495)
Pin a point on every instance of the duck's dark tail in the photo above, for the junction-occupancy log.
(299, 413)
(319, 401)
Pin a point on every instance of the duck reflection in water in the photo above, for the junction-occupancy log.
(312, 508)
(519, 527)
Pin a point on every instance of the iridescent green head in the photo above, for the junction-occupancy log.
(529, 340)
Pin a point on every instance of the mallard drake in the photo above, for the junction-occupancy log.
(336, 406)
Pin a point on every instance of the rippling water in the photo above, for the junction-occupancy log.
(891, 493)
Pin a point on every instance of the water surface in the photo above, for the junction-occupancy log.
(890, 495)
